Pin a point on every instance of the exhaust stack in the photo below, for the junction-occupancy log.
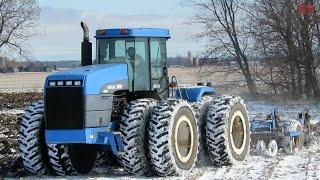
(86, 47)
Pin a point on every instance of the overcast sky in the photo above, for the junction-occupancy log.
(61, 33)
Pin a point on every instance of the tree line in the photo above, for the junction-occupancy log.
(284, 40)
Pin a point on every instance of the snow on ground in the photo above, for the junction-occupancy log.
(305, 164)
(20, 90)
(12, 112)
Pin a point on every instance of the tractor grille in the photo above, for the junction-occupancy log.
(64, 108)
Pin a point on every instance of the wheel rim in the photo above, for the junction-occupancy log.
(273, 148)
(184, 139)
(238, 134)
(260, 147)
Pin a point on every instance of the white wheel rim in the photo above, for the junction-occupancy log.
(273, 148)
(261, 146)
(178, 142)
(237, 150)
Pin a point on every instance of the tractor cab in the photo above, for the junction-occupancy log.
(144, 52)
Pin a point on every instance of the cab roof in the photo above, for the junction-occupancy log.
(132, 32)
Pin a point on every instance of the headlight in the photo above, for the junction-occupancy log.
(65, 83)
(77, 83)
(52, 83)
(69, 83)
(60, 83)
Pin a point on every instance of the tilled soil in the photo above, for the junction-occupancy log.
(17, 100)
(10, 162)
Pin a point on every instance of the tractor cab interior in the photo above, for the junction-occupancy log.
(145, 57)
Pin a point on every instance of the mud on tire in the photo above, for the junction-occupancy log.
(227, 131)
(133, 128)
(31, 140)
(172, 151)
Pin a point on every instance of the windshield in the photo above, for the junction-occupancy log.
(132, 51)
(113, 50)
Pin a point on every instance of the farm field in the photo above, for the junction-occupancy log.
(32, 81)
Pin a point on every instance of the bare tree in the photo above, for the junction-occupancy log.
(224, 25)
(281, 30)
(18, 22)
(275, 36)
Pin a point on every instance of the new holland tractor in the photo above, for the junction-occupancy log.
(125, 105)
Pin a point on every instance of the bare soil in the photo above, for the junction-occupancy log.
(10, 161)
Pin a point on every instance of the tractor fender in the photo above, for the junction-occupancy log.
(194, 94)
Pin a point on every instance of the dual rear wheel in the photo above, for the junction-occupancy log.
(177, 132)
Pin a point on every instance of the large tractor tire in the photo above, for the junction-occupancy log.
(32, 144)
(173, 137)
(72, 159)
(227, 131)
(133, 128)
(60, 160)
(201, 110)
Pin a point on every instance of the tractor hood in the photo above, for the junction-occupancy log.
(93, 78)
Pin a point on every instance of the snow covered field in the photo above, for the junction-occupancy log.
(304, 164)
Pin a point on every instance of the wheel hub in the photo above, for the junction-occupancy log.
(238, 132)
(184, 138)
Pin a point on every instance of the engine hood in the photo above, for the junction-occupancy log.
(93, 77)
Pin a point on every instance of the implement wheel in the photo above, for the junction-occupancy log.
(273, 148)
(260, 147)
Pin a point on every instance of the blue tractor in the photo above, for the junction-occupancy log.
(126, 106)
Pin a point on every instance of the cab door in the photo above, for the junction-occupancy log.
(159, 72)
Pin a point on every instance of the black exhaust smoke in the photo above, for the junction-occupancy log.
(86, 47)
